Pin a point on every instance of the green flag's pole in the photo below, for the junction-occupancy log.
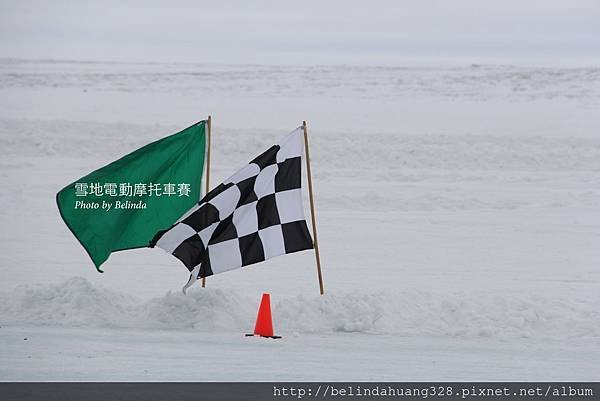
(312, 208)
(208, 126)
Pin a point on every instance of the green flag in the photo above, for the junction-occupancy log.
(124, 204)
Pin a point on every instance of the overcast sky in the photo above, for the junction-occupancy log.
(285, 32)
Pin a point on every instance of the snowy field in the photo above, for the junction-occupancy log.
(458, 211)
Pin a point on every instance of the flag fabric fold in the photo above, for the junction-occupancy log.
(122, 205)
(254, 215)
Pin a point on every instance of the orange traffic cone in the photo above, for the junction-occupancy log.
(264, 322)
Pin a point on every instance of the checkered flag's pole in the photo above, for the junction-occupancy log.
(312, 208)
(208, 126)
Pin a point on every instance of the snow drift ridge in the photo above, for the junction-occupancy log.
(77, 302)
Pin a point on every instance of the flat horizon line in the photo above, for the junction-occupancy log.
(408, 63)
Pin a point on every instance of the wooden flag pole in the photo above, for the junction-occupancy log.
(312, 208)
(208, 126)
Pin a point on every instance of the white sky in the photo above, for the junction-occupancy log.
(308, 32)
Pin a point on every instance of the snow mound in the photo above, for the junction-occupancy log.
(77, 302)
(418, 313)
(74, 302)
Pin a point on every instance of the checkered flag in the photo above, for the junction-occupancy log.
(252, 216)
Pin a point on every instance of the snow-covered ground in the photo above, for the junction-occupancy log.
(458, 211)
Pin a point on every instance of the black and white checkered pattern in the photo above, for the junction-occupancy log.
(252, 216)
